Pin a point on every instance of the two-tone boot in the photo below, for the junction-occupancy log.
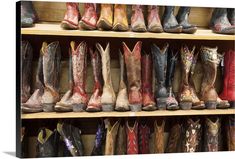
(28, 14)
(137, 19)
(120, 22)
(121, 140)
(143, 137)
(132, 137)
(147, 92)
(160, 66)
(99, 140)
(71, 16)
(133, 68)
(231, 133)
(108, 96)
(154, 22)
(159, 127)
(89, 18)
(122, 103)
(231, 15)
(105, 21)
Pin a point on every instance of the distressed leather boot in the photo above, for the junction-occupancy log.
(121, 141)
(111, 136)
(185, 96)
(160, 66)
(154, 22)
(132, 137)
(231, 15)
(169, 21)
(231, 133)
(211, 138)
(99, 140)
(219, 22)
(147, 92)
(47, 143)
(51, 69)
(133, 68)
(159, 126)
(120, 18)
(143, 136)
(105, 21)
(108, 97)
(94, 103)
(122, 103)
(137, 19)
(228, 92)
(28, 14)
(71, 16)
(89, 18)
(182, 18)
(171, 102)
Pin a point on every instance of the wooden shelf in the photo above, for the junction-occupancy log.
(52, 115)
(55, 29)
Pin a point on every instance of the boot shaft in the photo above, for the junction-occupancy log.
(231, 15)
(132, 138)
(231, 133)
(106, 12)
(159, 126)
(121, 141)
(143, 135)
(99, 139)
(183, 13)
(146, 71)
(122, 84)
(171, 62)
(120, 13)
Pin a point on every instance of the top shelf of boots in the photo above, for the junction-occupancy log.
(55, 29)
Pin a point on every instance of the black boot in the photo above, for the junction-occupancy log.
(182, 18)
(99, 140)
(231, 15)
(169, 21)
(28, 14)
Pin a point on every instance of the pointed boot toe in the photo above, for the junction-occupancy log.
(174, 29)
(190, 30)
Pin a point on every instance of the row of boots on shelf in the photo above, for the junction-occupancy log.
(135, 87)
(133, 136)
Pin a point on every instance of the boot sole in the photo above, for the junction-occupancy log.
(79, 107)
(59, 108)
(186, 105)
(149, 108)
(66, 25)
(161, 103)
(174, 30)
(155, 29)
(135, 107)
(85, 26)
(210, 105)
(121, 109)
(93, 109)
(139, 28)
(189, 30)
(30, 110)
(172, 107)
(48, 107)
(120, 27)
(104, 25)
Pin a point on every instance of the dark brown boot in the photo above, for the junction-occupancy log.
(121, 141)
(143, 136)
(159, 127)
(231, 133)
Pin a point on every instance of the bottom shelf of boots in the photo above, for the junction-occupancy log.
(47, 115)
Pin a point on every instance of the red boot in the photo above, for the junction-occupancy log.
(132, 138)
(89, 18)
(144, 135)
(71, 16)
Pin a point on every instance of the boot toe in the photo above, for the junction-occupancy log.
(26, 22)
(173, 29)
(189, 30)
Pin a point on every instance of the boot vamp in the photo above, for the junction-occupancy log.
(77, 98)
(122, 98)
(120, 17)
(49, 96)
(71, 16)
(135, 96)
(106, 14)
(187, 25)
(148, 99)
(161, 91)
(170, 22)
(137, 19)
(95, 99)
(154, 20)
(108, 95)
(90, 16)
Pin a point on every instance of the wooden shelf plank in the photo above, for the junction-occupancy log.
(52, 115)
(55, 29)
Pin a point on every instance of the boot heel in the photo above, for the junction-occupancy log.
(186, 105)
(48, 107)
(161, 103)
(232, 104)
(78, 107)
(107, 107)
(135, 107)
(211, 105)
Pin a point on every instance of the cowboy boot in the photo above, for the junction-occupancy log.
(137, 19)
(143, 136)
(105, 21)
(211, 138)
(111, 136)
(121, 141)
(169, 21)
(159, 135)
(231, 15)
(154, 22)
(47, 143)
(122, 103)
(51, 68)
(147, 93)
(89, 18)
(94, 103)
(23, 143)
(28, 14)
(228, 92)
(108, 97)
(219, 22)
(171, 102)
(160, 65)
(99, 139)
(132, 137)
(71, 16)
(120, 18)
(185, 96)
(231, 133)
(182, 18)
(133, 68)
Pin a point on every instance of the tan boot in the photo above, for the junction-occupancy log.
(159, 135)
(105, 21)
(120, 18)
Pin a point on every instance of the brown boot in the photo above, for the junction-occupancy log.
(89, 18)
(154, 22)
(105, 21)
(71, 16)
(122, 103)
(121, 141)
(137, 19)
(143, 136)
(231, 133)
(120, 18)
(133, 66)
(108, 97)
(132, 137)
(159, 135)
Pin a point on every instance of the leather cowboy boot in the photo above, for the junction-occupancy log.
(51, 68)
(219, 22)
(47, 143)
(99, 140)
(231, 15)
(231, 133)
(228, 92)
(108, 97)
(94, 103)
(71, 16)
(171, 102)
(121, 141)
(169, 21)
(154, 22)
(105, 21)
(120, 18)
(132, 137)
(160, 65)
(185, 96)
(111, 136)
(122, 103)
(211, 138)
(133, 68)
(89, 18)
(143, 136)
(182, 18)
(28, 14)
(137, 19)
(159, 125)
(146, 73)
